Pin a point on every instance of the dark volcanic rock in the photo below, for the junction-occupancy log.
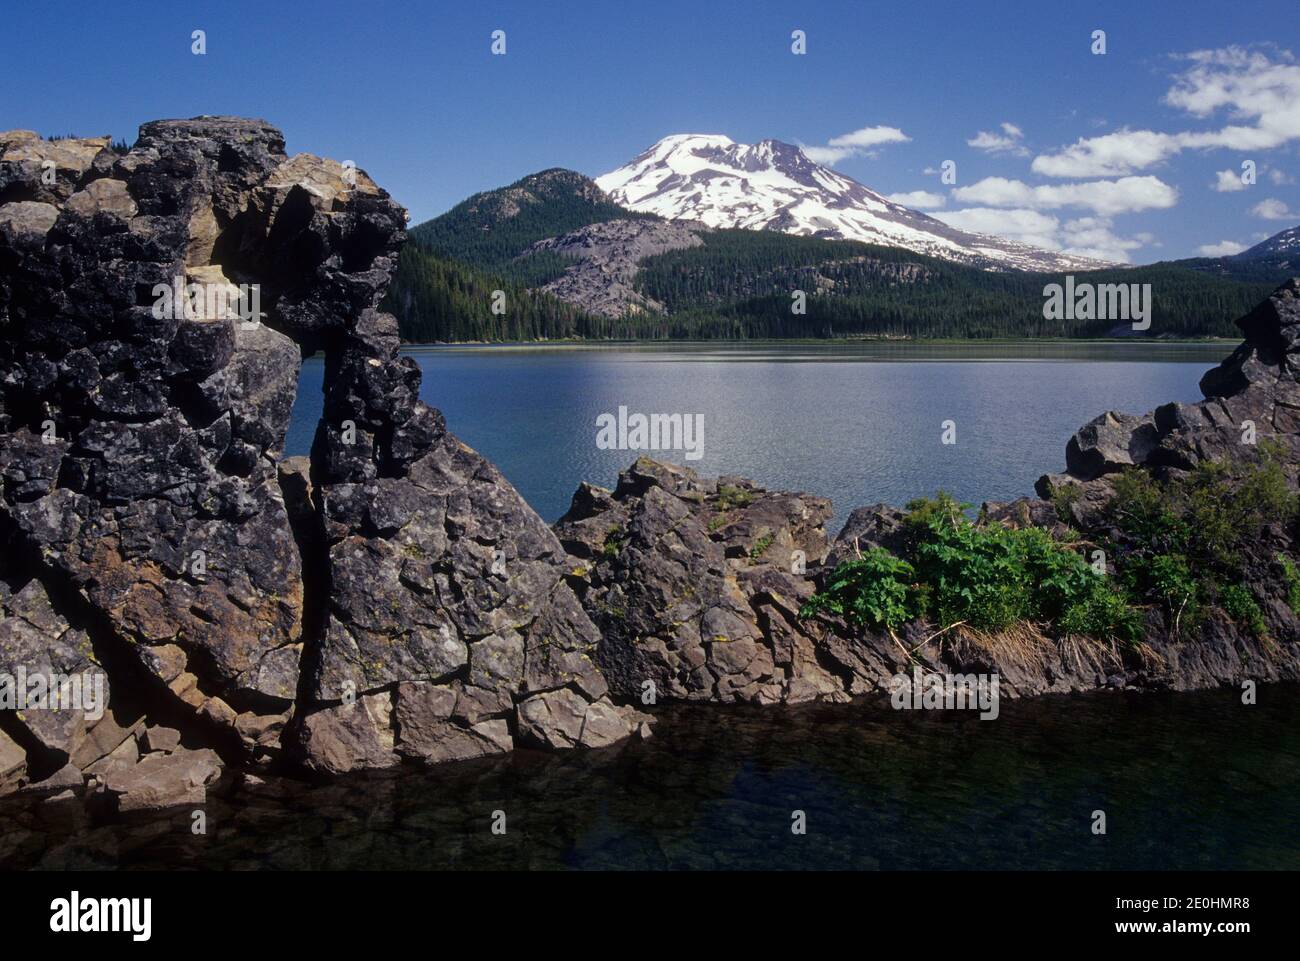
(1253, 396)
(154, 308)
(139, 445)
(696, 585)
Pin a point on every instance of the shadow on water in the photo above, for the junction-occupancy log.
(1187, 781)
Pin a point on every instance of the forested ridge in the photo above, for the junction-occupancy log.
(740, 283)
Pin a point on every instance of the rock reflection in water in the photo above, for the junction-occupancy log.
(1187, 781)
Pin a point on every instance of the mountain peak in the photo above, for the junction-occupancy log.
(773, 185)
(1284, 243)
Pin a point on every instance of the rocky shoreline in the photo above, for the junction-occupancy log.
(392, 599)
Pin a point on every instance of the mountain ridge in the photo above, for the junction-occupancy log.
(573, 264)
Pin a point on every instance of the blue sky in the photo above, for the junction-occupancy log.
(412, 94)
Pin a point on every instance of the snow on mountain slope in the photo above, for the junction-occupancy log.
(1283, 244)
(773, 186)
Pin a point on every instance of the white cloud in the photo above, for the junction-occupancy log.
(1260, 95)
(1105, 197)
(829, 156)
(1006, 142)
(1272, 209)
(1093, 237)
(1224, 248)
(918, 199)
(1083, 237)
(854, 143)
(1280, 177)
(1228, 181)
(1112, 154)
(870, 137)
(1026, 226)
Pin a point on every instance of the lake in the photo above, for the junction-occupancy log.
(1187, 781)
(858, 423)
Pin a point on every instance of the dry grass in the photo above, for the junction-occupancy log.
(1023, 645)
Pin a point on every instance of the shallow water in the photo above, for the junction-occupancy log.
(1193, 780)
(858, 423)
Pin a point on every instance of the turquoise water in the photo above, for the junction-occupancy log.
(858, 423)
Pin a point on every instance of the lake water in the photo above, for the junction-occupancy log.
(1187, 781)
(858, 423)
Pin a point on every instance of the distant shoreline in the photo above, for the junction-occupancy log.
(831, 341)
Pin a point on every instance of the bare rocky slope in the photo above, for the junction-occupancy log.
(606, 257)
(392, 598)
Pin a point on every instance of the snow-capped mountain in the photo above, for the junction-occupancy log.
(772, 185)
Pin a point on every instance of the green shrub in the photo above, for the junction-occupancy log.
(1174, 543)
(1105, 614)
(613, 542)
(1241, 606)
(987, 576)
(1169, 578)
(1063, 499)
(729, 497)
(876, 590)
(1178, 539)
(1291, 574)
(993, 576)
(1209, 516)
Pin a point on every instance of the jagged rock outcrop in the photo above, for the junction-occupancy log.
(155, 304)
(696, 585)
(1251, 398)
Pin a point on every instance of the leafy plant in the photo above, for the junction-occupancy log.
(876, 590)
(1291, 574)
(613, 542)
(760, 547)
(1171, 580)
(1176, 540)
(730, 497)
(1240, 604)
(988, 576)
